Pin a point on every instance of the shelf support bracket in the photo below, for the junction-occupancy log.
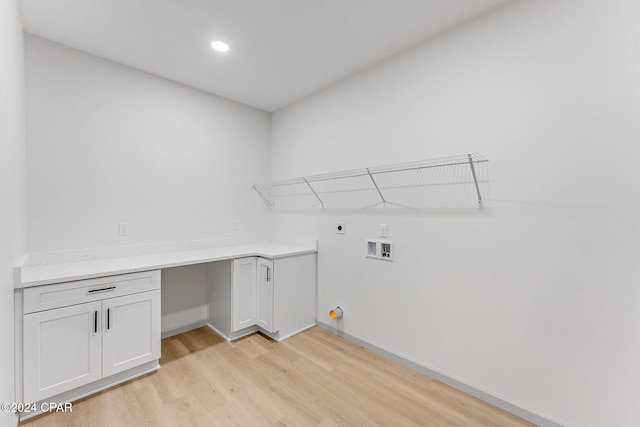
(264, 196)
(376, 185)
(475, 179)
(314, 191)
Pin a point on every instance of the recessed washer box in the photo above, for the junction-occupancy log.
(379, 249)
(386, 250)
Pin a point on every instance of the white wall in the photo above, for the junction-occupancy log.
(535, 298)
(109, 144)
(12, 185)
(185, 300)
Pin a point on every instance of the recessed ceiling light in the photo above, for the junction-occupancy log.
(219, 46)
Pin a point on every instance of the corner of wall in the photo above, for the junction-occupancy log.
(12, 189)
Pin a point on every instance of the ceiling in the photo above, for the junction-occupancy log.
(281, 50)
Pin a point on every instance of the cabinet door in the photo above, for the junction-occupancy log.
(62, 350)
(244, 293)
(265, 295)
(131, 335)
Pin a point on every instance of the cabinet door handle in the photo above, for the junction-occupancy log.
(108, 318)
(110, 288)
(95, 321)
(268, 276)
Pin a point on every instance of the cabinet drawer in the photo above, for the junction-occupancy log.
(39, 298)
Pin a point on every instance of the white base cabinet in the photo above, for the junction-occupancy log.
(68, 342)
(277, 296)
(62, 350)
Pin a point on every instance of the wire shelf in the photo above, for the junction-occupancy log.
(418, 184)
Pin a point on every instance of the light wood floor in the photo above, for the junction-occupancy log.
(312, 379)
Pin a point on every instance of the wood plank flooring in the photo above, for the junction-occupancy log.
(312, 379)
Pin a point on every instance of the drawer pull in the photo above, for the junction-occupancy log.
(110, 288)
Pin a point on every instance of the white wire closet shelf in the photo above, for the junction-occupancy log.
(441, 182)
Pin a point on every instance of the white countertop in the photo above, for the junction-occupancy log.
(27, 276)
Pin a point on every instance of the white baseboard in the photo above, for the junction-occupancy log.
(276, 335)
(185, 328)
(218, 332)
(455, 383)
(253, 329)
(235, 335)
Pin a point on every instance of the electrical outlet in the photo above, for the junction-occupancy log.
(234, 225)
(384, 230)
(339, 227)
(123, 229)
